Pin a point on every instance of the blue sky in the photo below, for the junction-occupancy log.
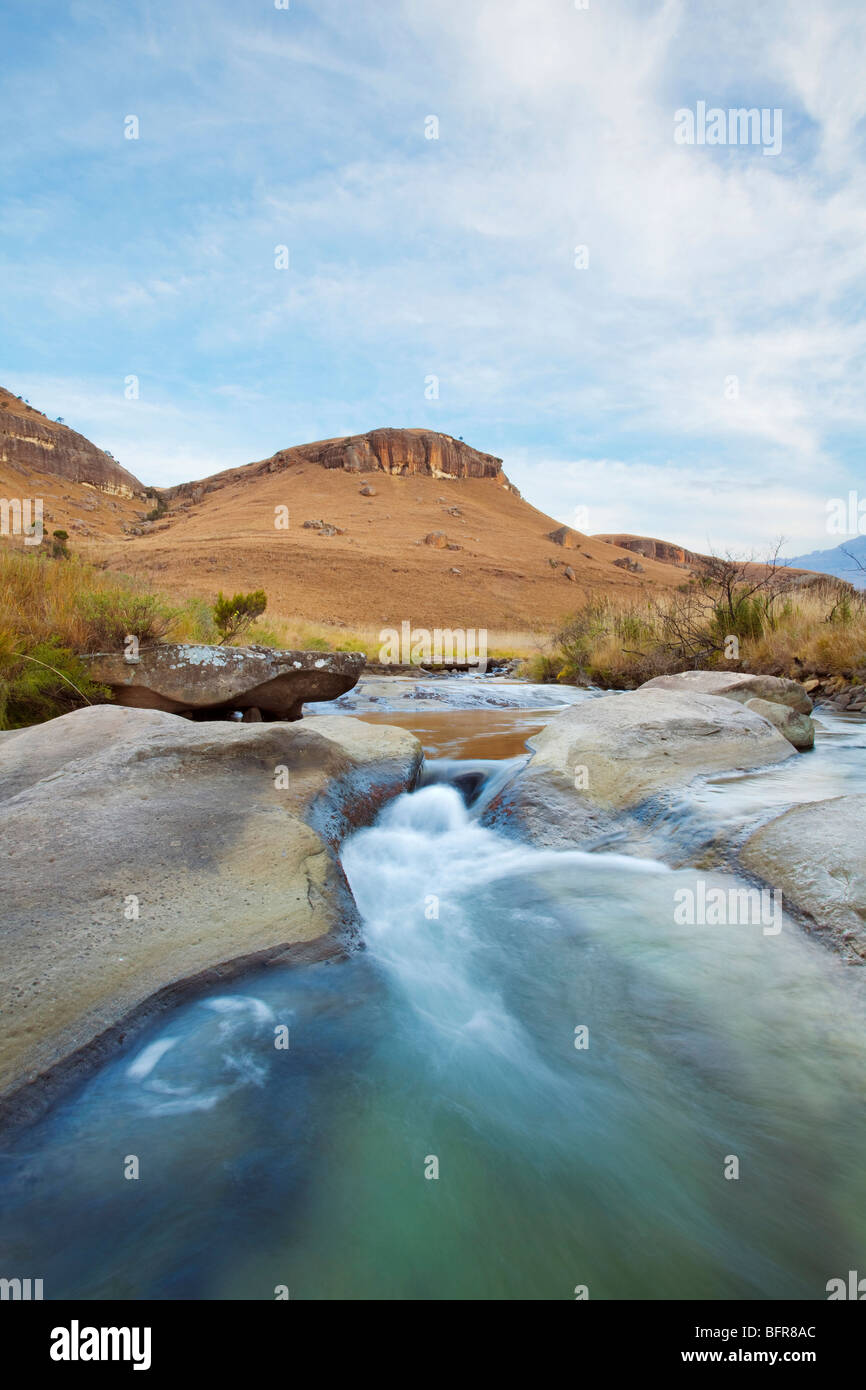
(606, 387)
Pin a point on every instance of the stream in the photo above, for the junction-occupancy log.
(530, 1080)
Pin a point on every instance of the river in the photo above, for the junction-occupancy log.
(529, 1081)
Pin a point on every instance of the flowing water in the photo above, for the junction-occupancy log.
(532, 1025)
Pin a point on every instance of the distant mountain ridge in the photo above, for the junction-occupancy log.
(837, 562)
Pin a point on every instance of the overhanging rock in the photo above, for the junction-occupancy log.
(214, 682)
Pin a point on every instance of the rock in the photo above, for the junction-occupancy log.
(811, 685)
(618, 751)
(144, 854)
(437, 539)
(252, 715)
(368, 491)
(564, 536)
(29, 439)
(651, 549)
(568, 573)
(182, 678)
(815, 855)
(736, 685)
(798, 729)
(633, 566)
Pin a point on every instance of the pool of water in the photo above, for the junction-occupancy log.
(433, 1131)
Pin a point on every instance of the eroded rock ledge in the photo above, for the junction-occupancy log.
(212, 682)
(144, 854)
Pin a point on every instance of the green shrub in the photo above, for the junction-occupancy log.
(234, 616)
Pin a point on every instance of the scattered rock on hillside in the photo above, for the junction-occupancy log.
(633, 566)
(179, 856)
(566, 537)
(368, 491)
(437, 539)
(569, 573)
(213, 682)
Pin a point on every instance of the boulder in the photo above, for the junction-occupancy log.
(736, 685)
(798, 729)
(181, 678)
(565, 537)
(611, 754)
(437, 539)
(815, 855)
(144, 855)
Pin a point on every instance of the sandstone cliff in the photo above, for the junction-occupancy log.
(29, 439)
(663, 551)
(399, 452)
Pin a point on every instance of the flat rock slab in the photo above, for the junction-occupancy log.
(815, 855)
(142, 852)
(183, 678)
(736, 685)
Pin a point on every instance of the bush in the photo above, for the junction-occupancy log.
(234, 616)
(40, 682)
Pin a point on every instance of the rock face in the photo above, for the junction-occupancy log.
(407, 452)
(182, 678)
(651, 549)
(816, 856)
(29, 439)
(613, 753)
(143, 853)
(402, 452)
(736, 685)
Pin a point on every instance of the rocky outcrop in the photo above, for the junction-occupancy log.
(144, 854)
(564, 536)
(619, 751)
(213, 682)
(28, 439)
(736, 685)
(402, 452)
(663, 551)
(815, 855)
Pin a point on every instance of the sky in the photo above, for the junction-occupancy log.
(431, 169)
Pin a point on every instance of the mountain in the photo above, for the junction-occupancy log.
(83, 490)
(390, 526)
(837, 562)
(362, 531)
(29, 439)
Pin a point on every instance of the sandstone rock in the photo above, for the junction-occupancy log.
(651, 549)
(220, 836)
(798, 729)
(215, 681)
(437, 539)
(736, 685)
(566, 537)
(569, 573)
(633, 566)
(615, 752)
(29, 439)
(815, 855)
(367, 491)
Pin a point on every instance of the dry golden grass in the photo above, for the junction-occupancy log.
(818, 632)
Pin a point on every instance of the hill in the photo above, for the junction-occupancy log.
(383, 527)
